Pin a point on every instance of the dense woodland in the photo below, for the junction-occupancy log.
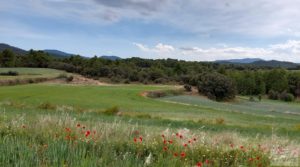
(217, 81)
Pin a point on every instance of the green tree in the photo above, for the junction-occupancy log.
(276, 80)
(217, 86)
(7, 58)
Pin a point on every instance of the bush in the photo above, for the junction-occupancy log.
(47, 106)
(274, 95)
(251, 98)
(10, 73)
(217, 86)
(288, 97)
(70, 78)
(220, 121)
(112, 111)
(187, 87)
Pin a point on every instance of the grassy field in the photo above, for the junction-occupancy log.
(30, 73)
(73, 125)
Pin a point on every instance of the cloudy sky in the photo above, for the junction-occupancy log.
(201, 30)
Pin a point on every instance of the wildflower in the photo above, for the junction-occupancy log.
(242, 147)
(165, 148)
(170, 141)
(194, 139)
(68, 130)
(182, 154)
(163, 136)
(23, 126)
(165, 141)
(136, 132)
(199, 164)
(78, 125)
(177, 134)
(231, 145)
(207, 161)
(180, 136)
(87, 133)
(135, 140)
(141, 138)
(175, 154)
(250, 159)
(185, 145)
(190, 141)
(258, 158)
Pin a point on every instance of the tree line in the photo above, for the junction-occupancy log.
(217, 81)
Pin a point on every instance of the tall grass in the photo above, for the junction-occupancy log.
(62, 140)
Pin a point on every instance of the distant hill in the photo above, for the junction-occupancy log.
(275, 63)
(110, 57)
(57, 53)
(239, 61)
(260, 63)
(16, 50)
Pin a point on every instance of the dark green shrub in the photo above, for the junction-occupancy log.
(47, 106)
(187, 88)
(10, 73)
(288, 97)
(274, 95)
(70, 78)
(112, 111)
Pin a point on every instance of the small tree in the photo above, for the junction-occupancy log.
(217, 86)
(7, 58)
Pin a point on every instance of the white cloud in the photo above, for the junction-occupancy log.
(289, 51)
(260, 18)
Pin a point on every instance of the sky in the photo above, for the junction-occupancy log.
(193, 30)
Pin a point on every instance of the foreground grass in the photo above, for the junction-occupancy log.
(59, 139)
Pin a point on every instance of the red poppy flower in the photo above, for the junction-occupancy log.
(141, 138)
(175, 154)
(87, 133)
(242, 147)
(180, 136)
(231, 145)
(78, 125)
(199, 164)
(185, 145)
(135, 140)
(194, 139)
(207, 161)
(68, 130)
(170, 141)
(165, 148)
(177, 134)
(183, 154)
(163, 136)
(165, 141)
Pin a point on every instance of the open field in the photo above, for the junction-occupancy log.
(30, 73)
(69, 125)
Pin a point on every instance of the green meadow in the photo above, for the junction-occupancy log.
(50, 124)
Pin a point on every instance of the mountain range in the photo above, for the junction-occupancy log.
(52, 52)
(260, 62)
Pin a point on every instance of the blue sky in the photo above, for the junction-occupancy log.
(200, 30)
